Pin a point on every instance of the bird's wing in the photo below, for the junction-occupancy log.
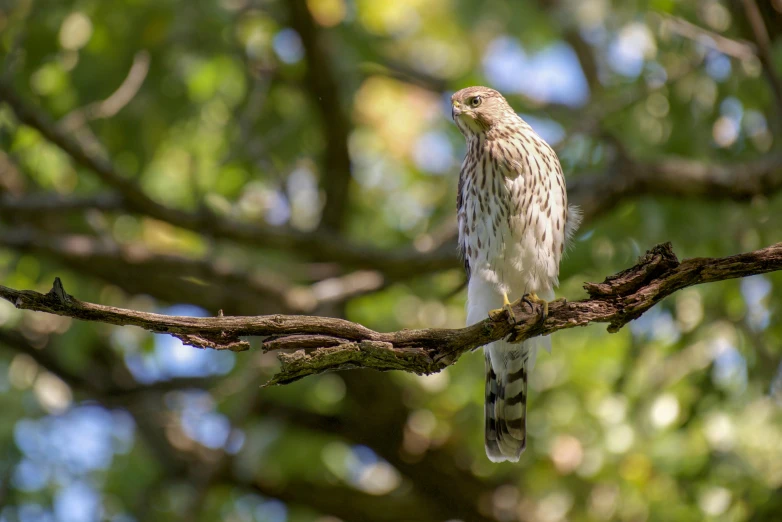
(460, 215)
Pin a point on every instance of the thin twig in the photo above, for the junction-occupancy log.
(739, 49)
(115, 102)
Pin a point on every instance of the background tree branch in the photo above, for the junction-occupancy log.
(321, 82)
(209, 283)
(169, 170)
(596, 194)
(674, 177)
(764, 45)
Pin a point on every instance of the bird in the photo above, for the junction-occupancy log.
(514, 222)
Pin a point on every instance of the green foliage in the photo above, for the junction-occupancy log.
(675, 418)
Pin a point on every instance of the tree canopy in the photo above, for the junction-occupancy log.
(258, 158)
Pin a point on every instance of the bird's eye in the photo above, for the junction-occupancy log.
(476, 101)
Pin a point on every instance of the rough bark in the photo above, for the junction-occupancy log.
(311, 345)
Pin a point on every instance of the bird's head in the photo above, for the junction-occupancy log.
(475, 110)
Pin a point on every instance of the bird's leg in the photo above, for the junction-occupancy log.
(507, 306)
(531, 298)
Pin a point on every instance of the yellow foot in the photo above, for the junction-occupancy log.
(507, 307)
(531, 299)
(516, 336)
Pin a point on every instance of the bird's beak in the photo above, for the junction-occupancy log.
(456, 109)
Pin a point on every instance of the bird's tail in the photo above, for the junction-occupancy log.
(507, 368)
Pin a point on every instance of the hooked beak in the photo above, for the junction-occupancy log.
(456, 109)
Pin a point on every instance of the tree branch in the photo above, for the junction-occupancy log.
(736, 48)
(675, 177)
(209, 283)
(110, 106)
(323, 88)
(669, 176)
(571, 34)
(322, 245)
(325, 344)
(76, 121)
(764, 45)
(347, 503)
(49, 203)
(109, 382)
(595, 194)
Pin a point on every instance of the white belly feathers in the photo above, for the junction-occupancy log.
(511, 238)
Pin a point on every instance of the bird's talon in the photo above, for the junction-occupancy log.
(496, 313)
(506, 308)
(526, 299)
(531, 298)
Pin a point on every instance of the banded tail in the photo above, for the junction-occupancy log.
(507, 367)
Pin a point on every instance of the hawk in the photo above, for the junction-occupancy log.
(514, 222)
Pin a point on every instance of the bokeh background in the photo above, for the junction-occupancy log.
(307, 152)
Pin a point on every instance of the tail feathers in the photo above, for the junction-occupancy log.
(506, 403)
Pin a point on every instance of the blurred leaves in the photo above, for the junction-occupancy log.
(675, 418)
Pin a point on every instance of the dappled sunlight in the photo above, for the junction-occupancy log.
(298, 157)
(551, 75)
